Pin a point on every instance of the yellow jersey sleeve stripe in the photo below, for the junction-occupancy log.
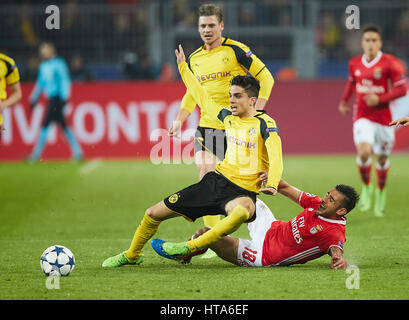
(243, 57)
(191, 55)
(259, 71)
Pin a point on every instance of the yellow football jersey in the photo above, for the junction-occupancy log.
(253, 143)
(8, 75)
(214, 69)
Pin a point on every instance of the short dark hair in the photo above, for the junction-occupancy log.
(372, 28)
(351, 197)
(249, 83)
(206, 10)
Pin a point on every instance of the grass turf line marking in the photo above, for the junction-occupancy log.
(90, 166)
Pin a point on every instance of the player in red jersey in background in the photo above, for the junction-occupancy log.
(319, 229)
(370, 76)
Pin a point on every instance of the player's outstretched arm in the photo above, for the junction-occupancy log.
(198, 93)
(404, 121)
(14, 97)
(283, 187)
(289, 191)
(337, 261)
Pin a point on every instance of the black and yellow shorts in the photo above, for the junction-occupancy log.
(212, 140)
(207, 197)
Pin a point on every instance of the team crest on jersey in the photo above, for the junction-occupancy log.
(310, 194)
(357, 73)
(377, 73)
(315, 229)
(252, 131)
(173, 198)
(248, 54)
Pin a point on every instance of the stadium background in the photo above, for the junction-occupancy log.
(126, 90)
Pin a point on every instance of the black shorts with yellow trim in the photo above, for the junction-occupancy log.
(207, 197)
(211, 140)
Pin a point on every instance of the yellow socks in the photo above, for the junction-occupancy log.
(224, 227)
(143, 233)
(210, 221)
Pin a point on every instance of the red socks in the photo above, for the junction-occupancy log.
(382, 173)
(365, 170)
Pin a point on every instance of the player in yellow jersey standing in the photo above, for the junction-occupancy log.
(253, 146)
(9, 77)
(214, 64)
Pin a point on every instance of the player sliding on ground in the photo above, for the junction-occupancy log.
(319, 229)
(253, 144)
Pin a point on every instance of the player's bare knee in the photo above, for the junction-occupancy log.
(153, 212)
(364, 152)
(364, 155)
(204, 169)
(150, 212)
(248, 204)
(381, 160)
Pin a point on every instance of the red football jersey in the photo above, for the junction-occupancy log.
(306, 237)
(382, 76)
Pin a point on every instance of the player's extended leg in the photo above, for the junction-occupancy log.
(42, 139)
(364, 163)
(226, 248)
(382, 169)
(238, 211)
(206, 162)
(59, 117)
(146, 229)
(38, 149)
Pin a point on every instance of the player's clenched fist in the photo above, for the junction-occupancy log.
(344, 108)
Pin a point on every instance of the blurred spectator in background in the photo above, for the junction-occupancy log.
(27, 25)
(247, 14)
(137, 67)
(184, 14)
(78, 69)
(168, 73)
(351, 40)
(29, 73)
(328, 36)
(402, 29)
(54, 80)
(286, 74)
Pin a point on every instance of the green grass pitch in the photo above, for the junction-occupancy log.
(93, 208)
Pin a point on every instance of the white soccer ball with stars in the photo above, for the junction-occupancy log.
(57, 260)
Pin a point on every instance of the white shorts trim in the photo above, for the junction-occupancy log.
(380, 137)
(250, 252)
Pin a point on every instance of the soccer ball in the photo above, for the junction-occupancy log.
(57, 260)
